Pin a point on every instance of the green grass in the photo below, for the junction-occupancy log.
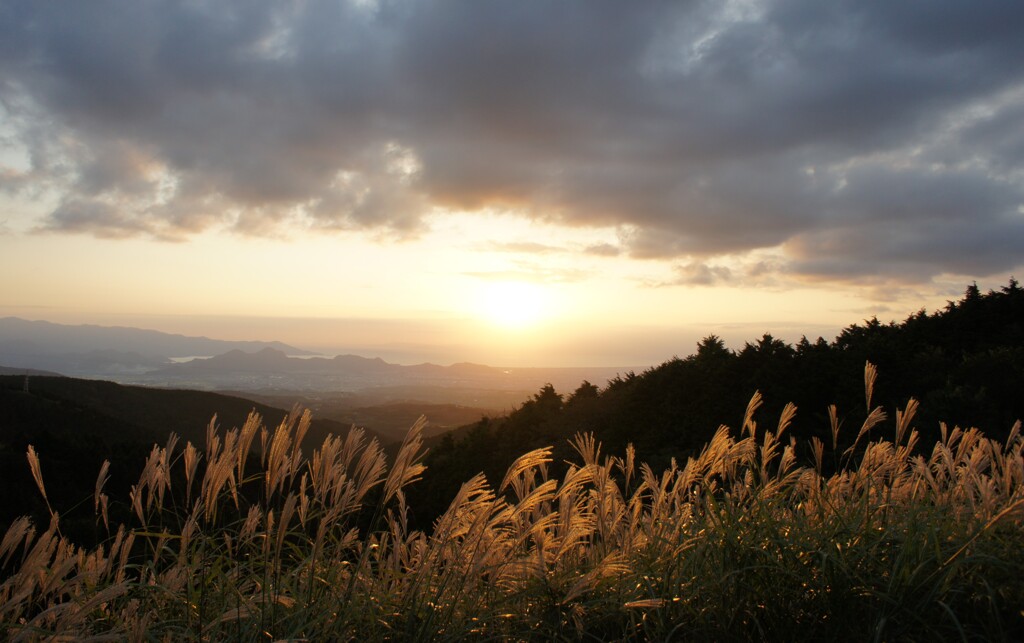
(749, 541)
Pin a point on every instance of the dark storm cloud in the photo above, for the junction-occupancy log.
(867, 139)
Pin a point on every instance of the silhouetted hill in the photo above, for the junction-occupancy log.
(389, 419)
(160, 411)
(75, 424)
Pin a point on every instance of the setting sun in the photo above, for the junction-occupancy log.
(514, 304)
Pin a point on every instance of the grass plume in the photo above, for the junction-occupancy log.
(749, 539)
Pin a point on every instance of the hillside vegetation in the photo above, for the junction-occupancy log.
(964, 363)
(741, 542)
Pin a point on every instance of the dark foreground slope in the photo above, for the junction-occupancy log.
(965, 364)
(76, 424)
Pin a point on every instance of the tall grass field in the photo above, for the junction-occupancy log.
(757, 538)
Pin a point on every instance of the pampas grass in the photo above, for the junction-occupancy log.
(741, 542)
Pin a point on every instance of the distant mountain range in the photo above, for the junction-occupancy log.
(270, 369)
(137, 356)
(270, 360)
(89, 350)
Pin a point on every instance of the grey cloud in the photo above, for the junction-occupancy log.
(912, 225)
(11, 180)
(1001, 134)
(701, 274)
(102, 219)
(760, 273)
(828, 130)
(910, 252)
(932, 197)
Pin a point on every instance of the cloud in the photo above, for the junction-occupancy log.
(747, 271)
(532, 273)
(524, 247)
(701, 274)
(603, 250)
(102, 219)
(866, 140)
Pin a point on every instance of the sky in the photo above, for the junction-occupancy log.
(513, 183)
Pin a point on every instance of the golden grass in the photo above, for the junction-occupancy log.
(739, 541)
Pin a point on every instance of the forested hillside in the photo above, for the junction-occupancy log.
(965, 364)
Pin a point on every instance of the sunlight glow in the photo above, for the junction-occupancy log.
(514, 304)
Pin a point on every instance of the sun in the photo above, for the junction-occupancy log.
(514, 304)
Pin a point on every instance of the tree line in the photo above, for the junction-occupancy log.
(963, 363)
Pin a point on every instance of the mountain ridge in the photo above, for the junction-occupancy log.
(90, 349)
